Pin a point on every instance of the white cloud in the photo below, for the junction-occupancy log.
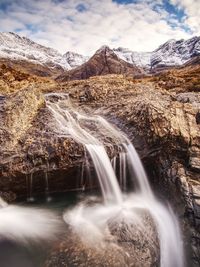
(192, 10)
(60, 25)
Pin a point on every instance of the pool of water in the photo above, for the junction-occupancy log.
(34, 254)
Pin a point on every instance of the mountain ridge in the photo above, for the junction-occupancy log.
(16, 48)
(45, 61)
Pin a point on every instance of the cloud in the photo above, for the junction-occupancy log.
(84, 26)
(191, 8)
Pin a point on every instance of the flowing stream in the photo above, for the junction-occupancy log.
(99, 137)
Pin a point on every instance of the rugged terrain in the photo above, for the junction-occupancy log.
(159, 112)
(14, 79)
(163, 125)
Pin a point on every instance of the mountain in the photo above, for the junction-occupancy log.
(74, 59)
(175, 53)
(192, 62)
(15, 47)
(170, 54)
(103, 62)
(27, 56)
(42, 60)
(141, 59)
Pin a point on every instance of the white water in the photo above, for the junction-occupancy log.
(22, 224)
(70, 126)
(94, 133)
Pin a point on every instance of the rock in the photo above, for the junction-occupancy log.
(19, 111)
(164, 129)
(123, 245)
(8, 196)
(14, 78)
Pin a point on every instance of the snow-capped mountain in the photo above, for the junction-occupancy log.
(15, 47)
(175, 53)
(141, 59)
(74, 59)
(47, 60)
(171, 53)
(103, 62)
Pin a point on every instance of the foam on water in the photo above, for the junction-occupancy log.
(22, 224)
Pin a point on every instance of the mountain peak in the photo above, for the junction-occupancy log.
(104, 48)
(74, 59)
(103, 62)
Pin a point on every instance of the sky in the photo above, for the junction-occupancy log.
(84, 26)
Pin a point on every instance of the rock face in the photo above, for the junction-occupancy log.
(104, 61)
(19, 111)
(164, 126)
(27, 141)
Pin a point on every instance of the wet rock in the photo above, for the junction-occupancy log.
(8, 196)
(198, 118)
(123, 245)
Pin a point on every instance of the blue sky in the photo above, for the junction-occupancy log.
(84, 26)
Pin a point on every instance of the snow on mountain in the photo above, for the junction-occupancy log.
(175, 53)
(141, 59)
(74, 59)
(103, 62)
(15, 47)
(171, 53)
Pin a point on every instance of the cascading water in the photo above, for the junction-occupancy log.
(95, 133)
(69, 126)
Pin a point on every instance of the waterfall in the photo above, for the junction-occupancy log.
(96, 134)
(29, 181)
(70, 125)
